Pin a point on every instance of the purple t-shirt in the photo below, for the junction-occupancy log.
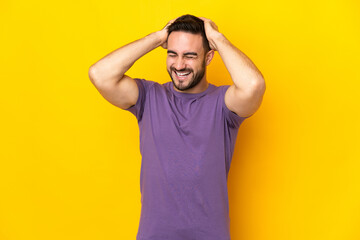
(186, 143)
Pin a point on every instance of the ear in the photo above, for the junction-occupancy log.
(209, 56)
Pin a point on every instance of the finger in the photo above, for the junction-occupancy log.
(214, 25)
(173, 20)
(204, 19)
(170, 22)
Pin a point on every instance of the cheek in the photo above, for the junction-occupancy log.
(195, 65)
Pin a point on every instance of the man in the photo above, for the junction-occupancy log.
(188, 127)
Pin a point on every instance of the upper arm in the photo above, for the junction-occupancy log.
(122, 93)
(244, 103)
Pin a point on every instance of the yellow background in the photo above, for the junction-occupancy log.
(70, 161)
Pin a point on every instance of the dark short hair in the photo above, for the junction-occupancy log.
(191, 24)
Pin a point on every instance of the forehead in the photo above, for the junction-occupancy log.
(181, 42)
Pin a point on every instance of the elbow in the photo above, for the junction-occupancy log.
(258, 86)
(92, 73)
(255, 86)
(261, 85)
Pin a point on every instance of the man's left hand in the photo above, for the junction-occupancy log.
(211, 31)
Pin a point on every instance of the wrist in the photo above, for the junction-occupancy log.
(154, 38)
(216, 39)
(161, 37)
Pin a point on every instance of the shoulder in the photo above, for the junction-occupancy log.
(218, 91)
(151, 88)
(231, 117)
(145, 83)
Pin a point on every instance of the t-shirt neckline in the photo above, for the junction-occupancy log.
(189, 95)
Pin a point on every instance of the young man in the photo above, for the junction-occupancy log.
(188, 127)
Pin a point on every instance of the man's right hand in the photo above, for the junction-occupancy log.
(163, 34)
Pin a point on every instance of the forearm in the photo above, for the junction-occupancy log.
(243, 71)
(113, 66)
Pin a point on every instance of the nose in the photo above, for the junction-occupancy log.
(179, 64)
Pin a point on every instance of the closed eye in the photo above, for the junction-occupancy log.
(190, 55)
(171, 53)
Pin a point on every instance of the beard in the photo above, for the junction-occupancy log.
(196, 78)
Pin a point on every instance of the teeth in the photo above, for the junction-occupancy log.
(181, 74)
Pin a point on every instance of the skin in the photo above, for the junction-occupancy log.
(186, 54)
(243, 97)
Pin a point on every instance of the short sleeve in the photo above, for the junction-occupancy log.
(138, 108)
(232, 118)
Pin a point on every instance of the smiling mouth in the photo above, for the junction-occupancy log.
(182, 74)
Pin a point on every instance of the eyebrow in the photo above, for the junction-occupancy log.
(190, 53)
(185, 54)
